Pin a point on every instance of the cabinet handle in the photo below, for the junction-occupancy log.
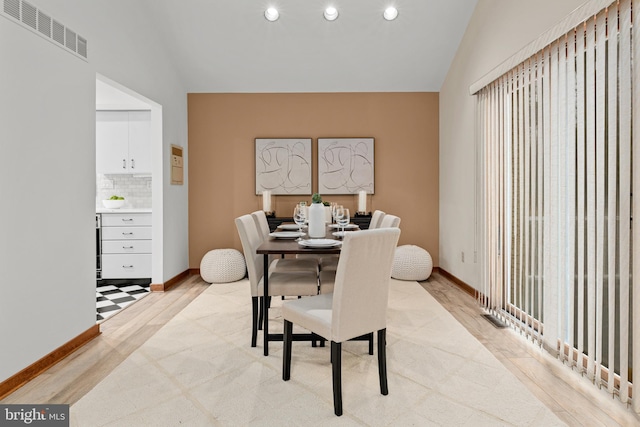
(124, 163)
(133, 163)
(127, 234)
(127, 219)
(127, 266)
(127, 247)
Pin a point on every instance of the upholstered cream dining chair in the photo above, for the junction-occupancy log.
(293, 283)
(390, 221)
(357, 306)
(327, 280)
(376, 218)
(329, 264)
(276, 263)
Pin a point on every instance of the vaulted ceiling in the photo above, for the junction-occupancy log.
(229, 46)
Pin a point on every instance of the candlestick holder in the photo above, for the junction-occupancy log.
(362, 201)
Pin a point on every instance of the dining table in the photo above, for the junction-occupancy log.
(279, 246)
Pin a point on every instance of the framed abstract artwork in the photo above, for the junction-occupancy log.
(283, 165)
(345, 165)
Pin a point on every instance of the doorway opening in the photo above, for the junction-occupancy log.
(128, 196)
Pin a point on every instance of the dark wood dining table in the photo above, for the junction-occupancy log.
(285, 247)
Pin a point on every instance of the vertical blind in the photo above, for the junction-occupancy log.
(558, 154)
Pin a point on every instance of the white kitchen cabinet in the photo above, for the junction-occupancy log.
(126, 233)
(126, 245)
(123, 142)
(126, 266)
(129, 219)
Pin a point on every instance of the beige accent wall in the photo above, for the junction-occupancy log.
(222, 132)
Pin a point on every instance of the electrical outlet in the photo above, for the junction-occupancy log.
(106, 184)
(462, 256)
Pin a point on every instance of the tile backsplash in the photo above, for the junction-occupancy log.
(136, 190)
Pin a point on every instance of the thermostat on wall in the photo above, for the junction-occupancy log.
(177, 175)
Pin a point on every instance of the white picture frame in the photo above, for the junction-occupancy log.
(283, 166)
(345, 165)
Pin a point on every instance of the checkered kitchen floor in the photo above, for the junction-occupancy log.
(114, 295)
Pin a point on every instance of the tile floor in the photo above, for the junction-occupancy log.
(199, 369)
(114, 295)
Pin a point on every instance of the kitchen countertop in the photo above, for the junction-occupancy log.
(123, 210)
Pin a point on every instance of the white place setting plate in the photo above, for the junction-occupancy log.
(319, 243)
(290, 227)
(286, 234)
(346, 227)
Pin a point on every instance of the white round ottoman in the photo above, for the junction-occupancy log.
(222, 266)
(411, 263)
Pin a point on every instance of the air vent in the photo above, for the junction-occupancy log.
(58, 32)
(82, 47)
(70, 39)
(12, 8)
(44, 25)
(29, 15)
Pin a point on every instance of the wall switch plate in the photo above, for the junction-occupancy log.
(106, 184)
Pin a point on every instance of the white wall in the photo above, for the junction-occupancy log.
(126, 47)
(47, 129)
(47, 261)
(497, 30)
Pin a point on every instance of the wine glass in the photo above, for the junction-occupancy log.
(337, 209)
(305, 208)
(344, 219)
(337, 212)
(299, 218)
(334, 206)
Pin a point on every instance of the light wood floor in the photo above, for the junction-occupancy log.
(571, 397)
(121, 335)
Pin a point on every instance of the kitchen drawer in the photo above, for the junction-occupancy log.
(126, 219)
(126, 247)
(126, 233)
(126, 266)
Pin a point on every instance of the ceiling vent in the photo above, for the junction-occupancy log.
(58, 32)
(82, 47)
(70, 40)
(12, 8)
(44, 24)
(31, 17)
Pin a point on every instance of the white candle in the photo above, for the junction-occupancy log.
(266, 201)
(362, 201)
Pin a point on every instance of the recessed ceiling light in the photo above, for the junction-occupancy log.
(331, 13)
(271, 14)
(390, 13)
